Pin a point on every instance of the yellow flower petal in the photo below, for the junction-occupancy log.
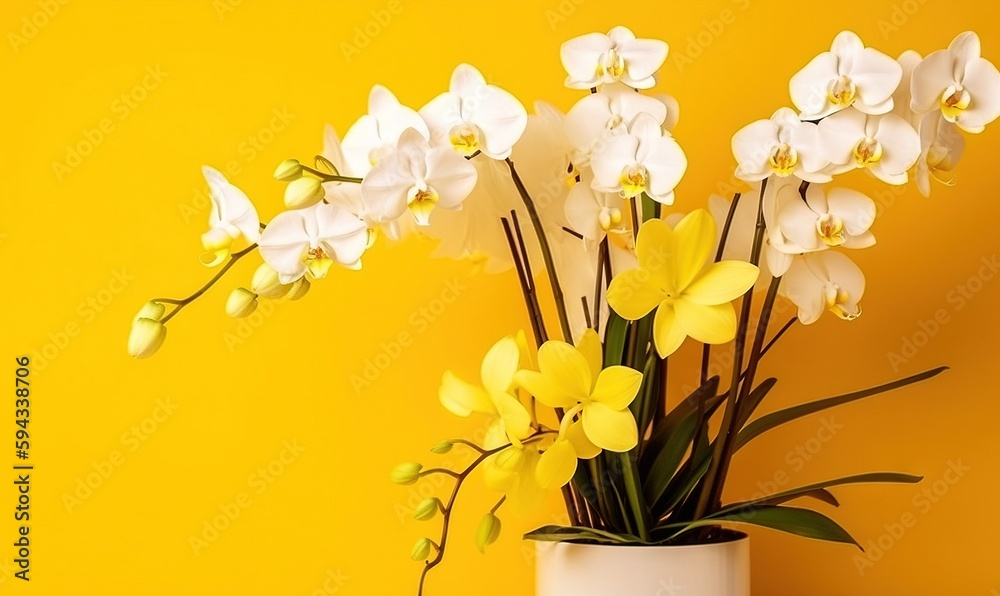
(566, 367)
(516, 420)
(655, 250)
(617, 386)
(499, 365)
(707, 324)
(591, 348)
(694, 236)
(461, 398)
(610, 429)
(633, 294)
(496, 435)
(721, 282)
(584, 447)
(667, 334)
(545, 389)
(557, 465)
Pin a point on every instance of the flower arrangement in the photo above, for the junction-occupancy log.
(578, 404)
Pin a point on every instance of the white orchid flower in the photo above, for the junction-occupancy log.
(310, 240)
(418, 178)
(783, 146)
(885, 145)
(848, 75)
(607, 112)
(233, 215)
(964, 86)
(822, 281)
(475, 116)
(908, 60)
(375, 134)
(644, 160)
(941, 147)
(596, 59)
(826, 218)
(592, 213)
(474, 232)
(348, 194)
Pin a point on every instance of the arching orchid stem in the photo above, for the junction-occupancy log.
(236, 256)
(331, 177)
(460, 478)
(543, 243)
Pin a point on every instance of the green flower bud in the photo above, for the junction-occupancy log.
(290, 169)
(241, 303)
(146, 337)
(421, 550)
(427, 509)
(150, 310)
(406, 473)
(487, 532)
(298, 289)
(442, 447)
(265, 282)
(303, 192)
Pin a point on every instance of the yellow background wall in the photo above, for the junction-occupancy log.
(242, 85)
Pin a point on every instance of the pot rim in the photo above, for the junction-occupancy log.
(735, 536)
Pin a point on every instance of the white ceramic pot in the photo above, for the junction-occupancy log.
(719, 569)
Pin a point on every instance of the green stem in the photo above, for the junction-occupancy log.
(706, 351)
(460, 478)
(185, 301)
(633, 491)
(756, 351)
(543, 244)
(331, 177)
(708, 489)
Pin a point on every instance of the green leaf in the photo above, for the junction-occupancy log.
(664, 428)
(682, 484)
(808, 490)
(794, 520)
(753, 400)
(662, 470)
(775, 419)
(575, 533)
(614, 339)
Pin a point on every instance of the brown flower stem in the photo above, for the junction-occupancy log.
(543, 243)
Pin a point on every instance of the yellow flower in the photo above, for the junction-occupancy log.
(511, 421)
(513, 472)
(692, 296)
(596, 403)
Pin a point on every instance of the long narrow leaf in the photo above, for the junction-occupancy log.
(614, 339)
(664, 428)
(794, 493)
(775, 419)
(753, 400)
(570, 533)
(794, 520)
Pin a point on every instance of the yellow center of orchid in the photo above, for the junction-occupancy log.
(609, 217)
(783, 159)
(838, 301)
(830, 229)
(612, 64)
(842, 91)
(421, 202)
(466, 138)
(954, 101)
(317, 261)
(867, 152)
(634, 180)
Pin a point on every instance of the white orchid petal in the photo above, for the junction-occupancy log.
(451, 175)
(982, 81)
(930, 79)
(580, 57)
